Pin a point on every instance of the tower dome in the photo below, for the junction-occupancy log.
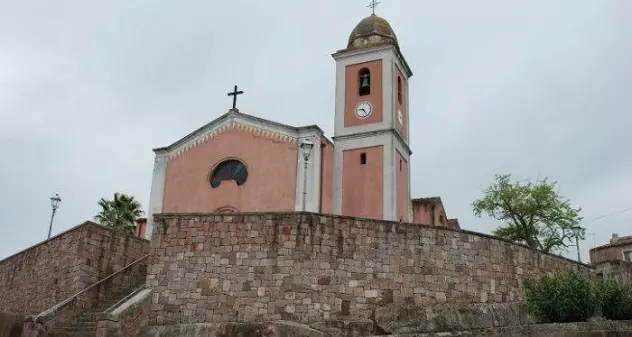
(372, 30)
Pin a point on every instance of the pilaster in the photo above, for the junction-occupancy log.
(157, 193)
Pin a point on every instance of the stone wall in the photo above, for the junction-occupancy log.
(308, 267)
(128, 319)
(10, 324)
(289, 329)
(43, 275)
(580, 329)
(617, 270)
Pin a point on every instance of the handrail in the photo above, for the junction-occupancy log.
(124, 299)
(71, 298)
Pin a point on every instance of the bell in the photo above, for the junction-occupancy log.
(365, 82)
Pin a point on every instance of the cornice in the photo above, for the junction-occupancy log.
(345, 53)
(235, 120)
(388, 131)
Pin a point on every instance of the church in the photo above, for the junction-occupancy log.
(242, 163)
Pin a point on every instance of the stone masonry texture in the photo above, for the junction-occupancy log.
(127, 323)
(307, 268)
(621, 271)
(288, 329)
(41, 276)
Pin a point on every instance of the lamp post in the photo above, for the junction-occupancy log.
(306, 147)
(577, 230)
(54, 203)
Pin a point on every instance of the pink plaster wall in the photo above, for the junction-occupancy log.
(402, 187)
(328, 177)
(352, 96)
(422, 213)
(363, 185)
(402, 128)
(271, 183)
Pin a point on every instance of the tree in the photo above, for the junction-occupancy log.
(534, 213)
(120, 213)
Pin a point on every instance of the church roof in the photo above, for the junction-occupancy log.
(372, 30)
(234, 114)
(370, 33)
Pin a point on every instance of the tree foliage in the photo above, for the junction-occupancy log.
(534, 214)
(120, 213)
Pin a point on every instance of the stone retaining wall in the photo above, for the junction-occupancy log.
(309, 268)
(581, 329)
(289, 329)
(43, 275)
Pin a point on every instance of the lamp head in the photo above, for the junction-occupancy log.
(577, 230)
(306, 147)
(54, 201)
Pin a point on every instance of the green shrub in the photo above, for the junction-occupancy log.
(615, 300)
(561, 297)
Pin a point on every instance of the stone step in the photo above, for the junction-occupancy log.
(77, 333)
(67, 329)
(86, 324)
(89, 316)
(74, 326)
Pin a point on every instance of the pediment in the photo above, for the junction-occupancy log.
(239, 121)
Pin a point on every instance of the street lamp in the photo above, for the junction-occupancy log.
(54, 203)
(577, 231)
(306, 147)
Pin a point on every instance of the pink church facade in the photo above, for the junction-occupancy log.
(241, 163)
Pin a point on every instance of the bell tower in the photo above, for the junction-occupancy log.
(372, 156)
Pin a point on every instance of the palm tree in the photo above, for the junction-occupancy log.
(120, 213)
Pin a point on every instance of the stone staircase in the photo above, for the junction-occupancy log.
(85, 323)
(79, 314)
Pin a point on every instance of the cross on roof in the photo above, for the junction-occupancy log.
(234, 94)
(373, 4)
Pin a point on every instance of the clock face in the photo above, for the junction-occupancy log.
(400, 117)
(363, 110)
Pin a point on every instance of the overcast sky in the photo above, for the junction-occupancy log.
(88, 88)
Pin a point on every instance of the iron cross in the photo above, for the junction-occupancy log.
(234, 94)
(373, 4)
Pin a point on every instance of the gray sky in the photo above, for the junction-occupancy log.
(88, 88)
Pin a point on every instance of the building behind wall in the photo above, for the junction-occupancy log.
(614, 259)
(618, 249)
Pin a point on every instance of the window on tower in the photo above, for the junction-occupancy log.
(363, 158)
(231, 169)
(399, 89)
(364, 82)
